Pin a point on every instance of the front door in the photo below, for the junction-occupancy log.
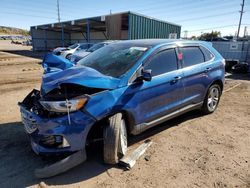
(162, 94)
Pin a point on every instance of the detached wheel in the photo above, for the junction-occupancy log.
(212, 99)
(115, 139)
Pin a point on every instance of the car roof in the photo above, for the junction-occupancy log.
(156, 42)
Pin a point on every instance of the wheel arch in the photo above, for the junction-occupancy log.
(219, 82)
(216, 81)
(97, 127)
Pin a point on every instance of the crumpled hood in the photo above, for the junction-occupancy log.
(53, 62)
(84, 76)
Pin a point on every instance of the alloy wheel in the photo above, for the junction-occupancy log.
(213, 99)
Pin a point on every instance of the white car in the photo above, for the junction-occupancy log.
(66, 52)
(79, 54)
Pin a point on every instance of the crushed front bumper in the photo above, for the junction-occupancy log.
(51, 135)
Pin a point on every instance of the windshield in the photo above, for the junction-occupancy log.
(73, 46)
(114, 59)
(95, 47)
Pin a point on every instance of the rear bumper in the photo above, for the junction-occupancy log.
(56, 135)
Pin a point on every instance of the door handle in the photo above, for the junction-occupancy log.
(207, 69)
(176, 79)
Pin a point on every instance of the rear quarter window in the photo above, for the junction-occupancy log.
(207, 54)
(192, 56)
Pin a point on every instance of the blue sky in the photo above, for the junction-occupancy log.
(195, 16)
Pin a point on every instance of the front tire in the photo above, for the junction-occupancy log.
(115, 139)
(212, 99)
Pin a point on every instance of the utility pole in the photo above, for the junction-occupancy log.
(58, 12)
(185, 34)
(241, 13)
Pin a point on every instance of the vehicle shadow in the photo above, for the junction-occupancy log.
(165, 125)
(27, 53)
(18, 162)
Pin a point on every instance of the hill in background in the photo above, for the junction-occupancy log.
(13, 31)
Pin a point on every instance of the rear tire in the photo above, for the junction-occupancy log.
(114, 139)
(212, 99)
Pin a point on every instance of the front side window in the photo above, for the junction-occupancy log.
(162, 62)
(192, 56)
(114, 59)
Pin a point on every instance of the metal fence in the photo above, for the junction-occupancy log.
(234, 50)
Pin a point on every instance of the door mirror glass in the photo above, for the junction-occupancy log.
(145, 75)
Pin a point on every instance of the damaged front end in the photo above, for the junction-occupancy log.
(57, 127)
(59, 117)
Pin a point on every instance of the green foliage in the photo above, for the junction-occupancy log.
(210, 36)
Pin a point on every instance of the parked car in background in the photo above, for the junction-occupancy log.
(241, 67)
(66, 52)
(27, 43)
(53, 63)
(123, 88)
(78, 55)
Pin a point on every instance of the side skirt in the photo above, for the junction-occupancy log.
(144, 126)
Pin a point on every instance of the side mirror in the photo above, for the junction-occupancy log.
(145, 75)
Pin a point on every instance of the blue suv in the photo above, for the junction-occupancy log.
(121, 89)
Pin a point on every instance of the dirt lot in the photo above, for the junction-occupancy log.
(189, 151)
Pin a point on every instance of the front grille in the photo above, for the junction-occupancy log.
(29, 124)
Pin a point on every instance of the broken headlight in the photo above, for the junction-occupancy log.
(64, 106)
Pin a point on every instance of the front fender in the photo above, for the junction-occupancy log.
(104, 103)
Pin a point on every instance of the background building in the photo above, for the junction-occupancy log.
(121, 26)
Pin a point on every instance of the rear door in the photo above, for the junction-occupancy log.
(193, 74)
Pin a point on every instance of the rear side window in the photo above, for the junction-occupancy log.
(163, 62)
(192, 56)
(207, 54)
